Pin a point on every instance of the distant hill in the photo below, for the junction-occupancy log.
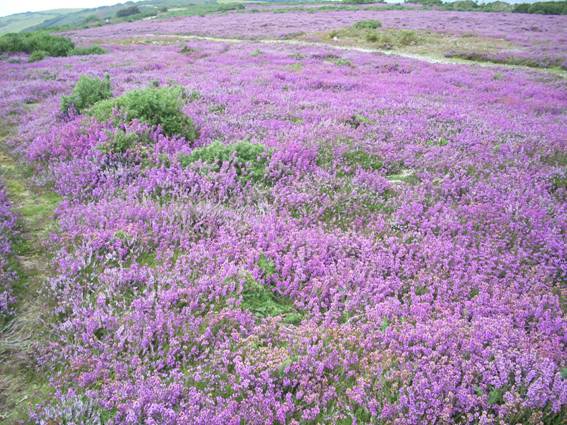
(23, 21)
(72, 18)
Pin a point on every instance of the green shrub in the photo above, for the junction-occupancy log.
(30, 42)
(543, 8)
(83, 51)
(38, 55)
(86, 93)
(249, 159)
(367, 25)
(153, 106)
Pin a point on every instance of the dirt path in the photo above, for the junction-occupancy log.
(415, 56)
(22, 382)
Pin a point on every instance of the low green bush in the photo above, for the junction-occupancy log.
(367, 25)
(42, 44)
(38, 55)
(83, 51)
(86, 93)
(154, 106)
(29, 42)
(249, 159)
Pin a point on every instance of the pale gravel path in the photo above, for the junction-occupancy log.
(414, 56)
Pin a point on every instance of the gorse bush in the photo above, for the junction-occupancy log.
(369, 25)
(86, 93)
(153, 106)
(249, 159)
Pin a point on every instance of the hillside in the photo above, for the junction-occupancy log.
(23, 21)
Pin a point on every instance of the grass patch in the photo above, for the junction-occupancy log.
(260, 300)
(506, 59)
(23, 383)
(249, 159)
(359, 158)
(365, 31)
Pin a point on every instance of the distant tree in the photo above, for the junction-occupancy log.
(128, 11)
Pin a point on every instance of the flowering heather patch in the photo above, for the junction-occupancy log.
(7, 224)
(382, 242)
(541, 38)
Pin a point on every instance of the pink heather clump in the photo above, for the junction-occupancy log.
(401, 260)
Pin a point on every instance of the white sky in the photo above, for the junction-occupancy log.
(8, 7)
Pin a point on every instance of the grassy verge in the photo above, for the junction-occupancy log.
(22, 382)
(411, 41)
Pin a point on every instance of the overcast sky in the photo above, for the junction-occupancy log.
(7, 7)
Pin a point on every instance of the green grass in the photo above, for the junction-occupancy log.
(249, 159)
(260, 300)
(426, 43)
(22, 383)
(23, 21)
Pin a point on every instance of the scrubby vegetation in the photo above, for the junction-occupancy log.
(248, 159)
(128, 11)
(543, 8)
(86, 93)
(84, 51)
(367, 25)
(154, 106)
(509, 59)
(51, 45)
(370, 32)
(42, 44)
